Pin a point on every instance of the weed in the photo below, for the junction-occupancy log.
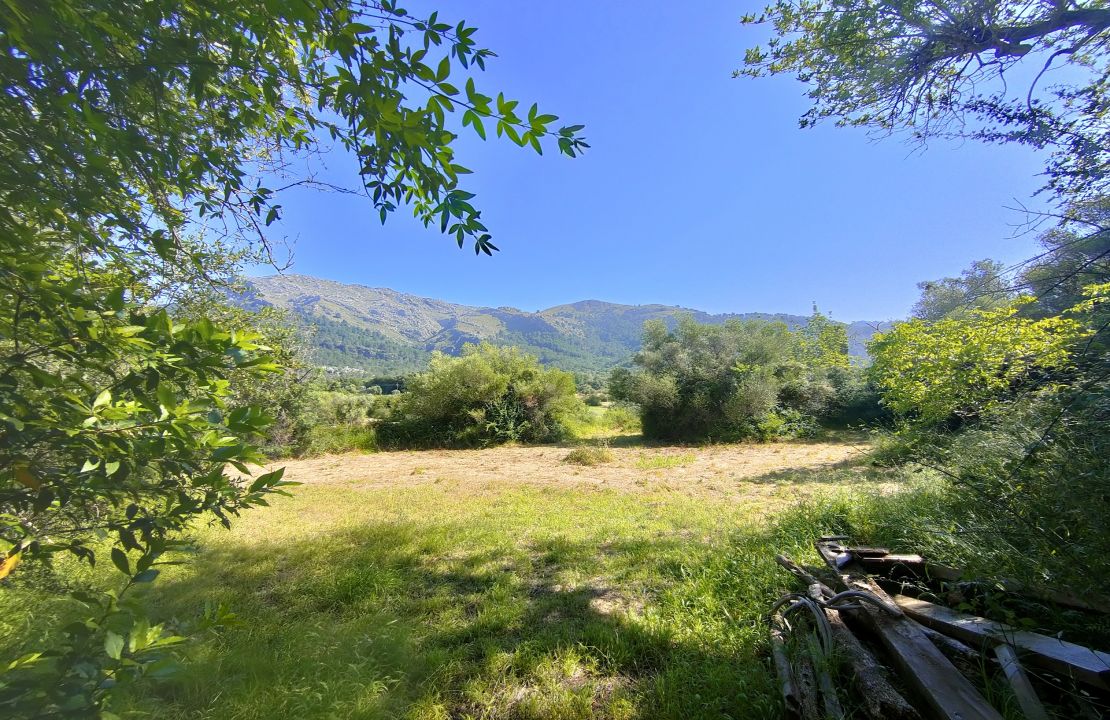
(589, 455)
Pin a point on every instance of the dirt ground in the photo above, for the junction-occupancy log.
(771, 470)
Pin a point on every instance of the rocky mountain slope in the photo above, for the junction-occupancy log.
(387, 332)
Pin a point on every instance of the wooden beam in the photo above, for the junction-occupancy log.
(881, 701)
(1019, 682)
(787, 684)
(1066, 658)
(944, 691)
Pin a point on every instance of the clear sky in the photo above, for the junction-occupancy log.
(699, 189)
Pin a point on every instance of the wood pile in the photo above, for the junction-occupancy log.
(861, 641)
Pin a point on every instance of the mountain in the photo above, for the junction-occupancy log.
(387, 332)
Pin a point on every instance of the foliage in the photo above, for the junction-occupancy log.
(980, 287)
(117, 421)
(751, 379)
(604, 421)
(234, 92)
(1076, 254)
(941, 69)
(963, 367)
(1027, 389)
(130, 128)
(338, 344)
(487, 395)
(283, 395)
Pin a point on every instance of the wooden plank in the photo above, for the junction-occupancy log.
(868, 552)
(910, 561)
(1019, 682)
(881, 701)
(945, 692)
(787, 685)
(1066, 658)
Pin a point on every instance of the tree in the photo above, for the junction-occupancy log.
(941, 68)
(145, 146)
(730, 381)
(982, 286)
(961, 367)
(1076, 254)
(824, 343)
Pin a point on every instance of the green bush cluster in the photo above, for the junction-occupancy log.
(488, 395)
(743, 379)
(1011, 404)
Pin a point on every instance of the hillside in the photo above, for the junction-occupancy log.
(388, 332)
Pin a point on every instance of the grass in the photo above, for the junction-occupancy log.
(663, 462)
(589, 456)
(608, 422)
(449, 599)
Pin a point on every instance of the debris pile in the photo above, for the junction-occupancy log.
(907, 657)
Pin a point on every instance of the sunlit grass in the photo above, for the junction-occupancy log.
(455, 600)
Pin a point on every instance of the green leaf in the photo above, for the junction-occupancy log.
(119, 559)
(113, 645)
(266, 480)
(104, 398)
(146, 576)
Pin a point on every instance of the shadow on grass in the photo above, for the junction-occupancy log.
(397, 620)
(845, 473)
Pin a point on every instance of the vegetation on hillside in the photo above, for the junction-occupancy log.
(383, 331)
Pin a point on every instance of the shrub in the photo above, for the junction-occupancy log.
(1013, 410)
(486, 396)
(738, 380)
(589, 456)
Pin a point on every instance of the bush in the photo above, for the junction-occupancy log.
(489, 395)
(739, 380)
(595, 399)
(1013, 410)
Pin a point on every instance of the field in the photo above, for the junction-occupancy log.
(501, 583)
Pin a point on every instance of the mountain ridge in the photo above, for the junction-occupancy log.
(386, 331)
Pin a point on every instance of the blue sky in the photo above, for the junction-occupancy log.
(699, 189)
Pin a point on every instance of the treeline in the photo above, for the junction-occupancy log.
(741, 380)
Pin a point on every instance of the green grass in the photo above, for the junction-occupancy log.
(450, 601)
(613, 421)
(589, 456)
(664, 462)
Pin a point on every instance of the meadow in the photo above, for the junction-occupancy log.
(502, 582)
